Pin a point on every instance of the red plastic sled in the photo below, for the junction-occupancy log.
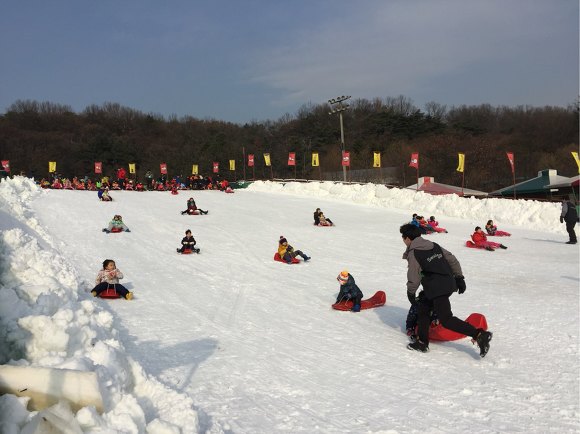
(196, 212)
(115, 230)
(472, 245)
(110, 292)
(279, 259)
(440, 333)
(379, 299)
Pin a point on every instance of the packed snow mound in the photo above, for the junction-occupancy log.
(531, 214)
(47, 319)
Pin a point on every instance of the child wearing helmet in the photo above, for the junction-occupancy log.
(349, 290)
(116, 224)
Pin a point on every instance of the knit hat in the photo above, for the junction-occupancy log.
(282, 239)
(342, 276)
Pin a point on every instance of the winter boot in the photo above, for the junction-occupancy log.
(489, 248)
(129, 296)
(178, 250)
(356, 308)
(94, 293)
(502, 246)
(483, 338)
(418, 346)
(307, 258)
(106, 230)
(196, 250)
(571, 242)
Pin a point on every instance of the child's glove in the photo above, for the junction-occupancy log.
(460, 282)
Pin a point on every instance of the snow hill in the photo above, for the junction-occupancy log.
(230, 341)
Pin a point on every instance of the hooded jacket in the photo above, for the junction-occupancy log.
(349, 291)
(433, 267)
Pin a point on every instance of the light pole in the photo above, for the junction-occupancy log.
(337, 106)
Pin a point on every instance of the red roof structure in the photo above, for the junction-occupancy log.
(428, 185)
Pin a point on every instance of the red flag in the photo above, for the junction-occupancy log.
(250, 160)
(510, 156)
(216, 167)
(292, 159)
(345, 158)
(163, 168)
(98, 167)
(414, 160)
(6, 165)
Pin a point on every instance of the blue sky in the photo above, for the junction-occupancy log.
(253, 60)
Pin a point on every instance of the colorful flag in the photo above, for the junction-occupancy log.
(98, 167)
(132, 168)
(216, 167)
(267, 159)
(315, 161)
(163, 168)
(194, 169)
(292, 159)
(232, 164)
(574, 154)
(51, 166)
(461, 164)
(345, 158)
(377, 159)
(414, 160)
(510, 156)
(250, 160)
(6, 165)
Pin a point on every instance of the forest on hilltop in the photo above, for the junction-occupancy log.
(33, 133)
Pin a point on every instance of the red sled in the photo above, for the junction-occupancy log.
(279, 259)
(377, 300)
(110, 292)
(194, 212)
(440, 333)
(116, 230)
(472, 245)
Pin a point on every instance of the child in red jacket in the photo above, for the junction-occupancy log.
(480, 240)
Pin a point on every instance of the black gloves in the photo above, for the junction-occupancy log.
(561, 219)
(460, 282)
(411, 298)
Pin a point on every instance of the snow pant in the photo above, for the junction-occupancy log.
(121, 290)
(486, 244)
(442, 308)
(188, 247)
(289, 256)
(571, 231)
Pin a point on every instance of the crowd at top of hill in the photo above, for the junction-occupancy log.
(150, 183)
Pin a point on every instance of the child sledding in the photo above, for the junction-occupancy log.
(188, 244)
(192, 208)
(350, 296)
(116, 225)
(320, 219)
(493, 232)
(479, 241)
(107, 282)
(103, 194)
(287, 254)
(434, 224)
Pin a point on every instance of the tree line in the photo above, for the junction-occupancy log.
(33, 133)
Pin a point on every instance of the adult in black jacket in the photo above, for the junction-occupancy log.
(570, 216)
(439, 272)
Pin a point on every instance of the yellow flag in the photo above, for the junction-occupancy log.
(232, 164)
(51, 166)
(315, 162)
(377, 159)
(461, 165)
(575, 155)
(267, 159)
(131, 167)
(194, 169)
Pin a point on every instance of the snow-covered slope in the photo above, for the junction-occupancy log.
(231, 341)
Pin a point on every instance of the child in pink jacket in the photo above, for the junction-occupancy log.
(480, 240)
(435, 225)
